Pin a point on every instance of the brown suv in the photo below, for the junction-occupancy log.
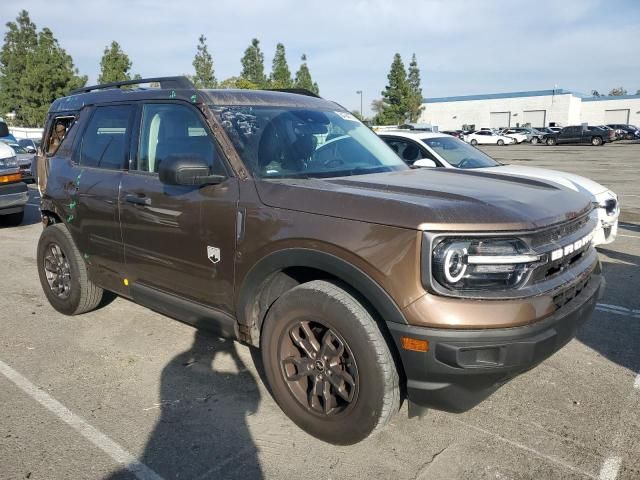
(280, 220)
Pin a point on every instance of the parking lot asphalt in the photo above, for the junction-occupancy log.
(614, 165)
(123, 392)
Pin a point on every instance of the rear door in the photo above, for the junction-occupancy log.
(99, 157)
(178, 239)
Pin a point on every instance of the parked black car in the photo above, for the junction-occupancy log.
(579, 134)
(631, 131)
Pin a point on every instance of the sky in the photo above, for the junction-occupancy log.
(462, 47)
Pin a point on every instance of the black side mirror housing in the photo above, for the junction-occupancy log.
(187, 170)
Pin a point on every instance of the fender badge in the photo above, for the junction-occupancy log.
(213, 253)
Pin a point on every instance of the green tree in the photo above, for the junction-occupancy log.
(114, 65)
(50, 74)
(203, 65)
(595, 93)
(617, 92)
(20, 41)
(43, 72)
(238, 82)
(253, 65)
(303, 77)
(394, 106)
(638, 92)
(280, 74)
(414, 100)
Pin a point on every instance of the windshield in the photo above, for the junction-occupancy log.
(17, 148)
(459, 154)
(284, 142)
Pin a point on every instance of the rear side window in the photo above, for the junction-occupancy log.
(104, 143)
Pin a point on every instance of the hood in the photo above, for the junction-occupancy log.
(430, 199)
(569, 180)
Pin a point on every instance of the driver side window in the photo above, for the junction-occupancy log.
(170, 130)
(407, 150)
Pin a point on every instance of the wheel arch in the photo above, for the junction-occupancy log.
(280, 271)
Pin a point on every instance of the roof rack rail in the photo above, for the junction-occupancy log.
(180, 82)
(297, 91)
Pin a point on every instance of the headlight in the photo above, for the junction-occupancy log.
(610, 206)
(482, 264)
(9, 162)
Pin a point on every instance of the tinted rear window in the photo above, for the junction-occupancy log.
(104, 143)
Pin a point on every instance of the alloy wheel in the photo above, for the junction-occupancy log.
(57, 271)
(319, 368)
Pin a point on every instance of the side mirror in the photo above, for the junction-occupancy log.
(424, 163)
(187, 170)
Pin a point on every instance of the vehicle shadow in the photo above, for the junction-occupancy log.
(202, 432)
(615, 334)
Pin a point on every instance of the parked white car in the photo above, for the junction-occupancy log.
(424, 149)
(519, 137)
(488, 137)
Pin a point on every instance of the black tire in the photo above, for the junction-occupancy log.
(372, 398)
(500, 143)
(534, 140)
(596, 141)
(78, 294)
(13, 219)
(474, 142)
(551, 141)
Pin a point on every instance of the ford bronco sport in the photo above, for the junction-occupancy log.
(278, 219)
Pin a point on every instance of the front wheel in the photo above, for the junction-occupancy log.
(474, 142)
(500, 142)
(551, 141)
(534, 140)
(63, 273)
(595, 141)
(327, 364)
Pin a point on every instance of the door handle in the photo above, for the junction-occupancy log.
(138, 200)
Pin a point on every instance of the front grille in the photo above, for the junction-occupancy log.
(554, 234)
(570, 293)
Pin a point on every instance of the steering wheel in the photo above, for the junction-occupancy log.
(332, 154)
(465, 162)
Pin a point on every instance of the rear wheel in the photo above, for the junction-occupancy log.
(595, 141)
(551, 141)
(63, 273)
(500, 142)
(534, 140)
(13, 219)
(327, 363)
(474, 142)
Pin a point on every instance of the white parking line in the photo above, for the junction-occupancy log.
(636, 384)
(99, 439)
(618, 310)
(530, 450)
(610, 468)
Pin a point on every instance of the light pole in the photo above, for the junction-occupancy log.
(359, 92)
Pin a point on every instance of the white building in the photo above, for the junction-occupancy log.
(538, 108)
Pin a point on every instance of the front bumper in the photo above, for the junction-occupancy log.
(463, 367)
(13, 197)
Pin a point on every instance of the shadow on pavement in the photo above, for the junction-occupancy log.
(202, 432)
(615, 336)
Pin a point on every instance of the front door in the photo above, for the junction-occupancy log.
(167, 246)
(569, 135)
